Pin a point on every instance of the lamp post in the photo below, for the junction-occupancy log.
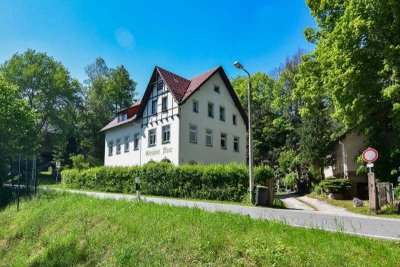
(251, 169)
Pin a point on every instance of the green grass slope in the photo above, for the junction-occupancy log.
(60, 229)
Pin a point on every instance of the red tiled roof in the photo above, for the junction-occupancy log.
(181, 88)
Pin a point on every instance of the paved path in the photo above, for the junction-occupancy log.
(359, 225)
(292, 202)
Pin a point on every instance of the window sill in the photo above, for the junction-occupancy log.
(166, 142)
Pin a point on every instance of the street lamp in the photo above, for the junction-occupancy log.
(251, 169)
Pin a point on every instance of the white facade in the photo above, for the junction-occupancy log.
(188, 127)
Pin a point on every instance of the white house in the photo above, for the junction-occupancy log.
(180, 120)
(346, 149)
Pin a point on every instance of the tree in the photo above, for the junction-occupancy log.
(50, 93)
(17, 126)
(120, 89)
(108, 91)
(44, 83)
(265, 135)
(358, 55)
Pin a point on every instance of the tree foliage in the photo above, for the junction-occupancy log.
(17, 126)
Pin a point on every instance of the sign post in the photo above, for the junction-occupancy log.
(58, 166)
(137, 183)
(370, 155)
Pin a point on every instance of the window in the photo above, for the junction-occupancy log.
(221, 113)
(126, 144)
(159, 86)
(154, 107)
(136, 142)
(236, 144)
(216, 89)
(118, 146)
(110, 148)
(195, 106)
(210, 110)
(166, 134)
(209, 137)
(223, 141)
(234, 121)
(164, 104)
(152, 137)
(193, 134)
(122, 117)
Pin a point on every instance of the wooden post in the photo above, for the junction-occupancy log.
(373, 198)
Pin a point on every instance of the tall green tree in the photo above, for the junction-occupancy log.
(108, 91)
(358, 57)
(17, 126)
(265, 135)
(120, 89)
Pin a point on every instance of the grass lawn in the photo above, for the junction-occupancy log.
(61, 229)
(390, 212)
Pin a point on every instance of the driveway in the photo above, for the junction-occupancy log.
(298, 202)
(350, 223)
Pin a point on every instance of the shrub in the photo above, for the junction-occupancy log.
(262, 173)
(220, 182)
(317, 189)
(290, 180)
(336, 185)
(80, 162)
(397, 192)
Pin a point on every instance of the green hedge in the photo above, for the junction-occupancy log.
(397, 192)
(336, 185)
(220, 182)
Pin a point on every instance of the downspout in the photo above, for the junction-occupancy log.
(344, 161)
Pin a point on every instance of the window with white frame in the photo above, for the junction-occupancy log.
(221, 113)
(110, 148)
(152, 137)
(209, 137)
(136, 139)
(234, 119)
(126, 144)
(236, 144)
(166, 134)
(210, 109)
(193, 134)
(223, 140)
(154, 106)
(195, 106)
(118, 149)
(164, 104)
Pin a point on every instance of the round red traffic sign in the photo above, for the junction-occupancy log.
(370, 155)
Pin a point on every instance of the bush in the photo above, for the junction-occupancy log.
(220, 182)
(290, 180)
(80, 162)
(336, 185)
(397, 192)
(317, 189)
(263, 173)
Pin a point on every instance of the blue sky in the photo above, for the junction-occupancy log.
(186, 37)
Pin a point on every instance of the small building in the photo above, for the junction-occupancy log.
(346, 150)
(181, 121)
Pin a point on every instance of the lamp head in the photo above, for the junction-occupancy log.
(238, 65)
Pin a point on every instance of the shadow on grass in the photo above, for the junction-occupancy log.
(8, 195)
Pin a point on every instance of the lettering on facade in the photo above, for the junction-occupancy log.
(155, 152)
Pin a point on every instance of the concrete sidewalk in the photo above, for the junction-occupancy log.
(384, 228)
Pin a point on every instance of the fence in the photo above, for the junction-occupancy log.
(385, 194)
